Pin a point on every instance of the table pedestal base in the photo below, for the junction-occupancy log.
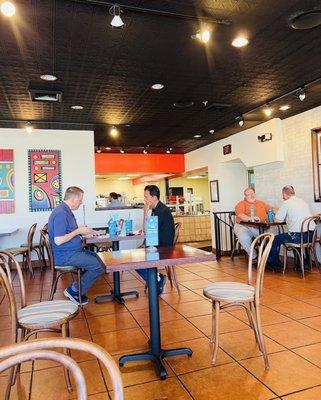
(116, 294)
(157, 359)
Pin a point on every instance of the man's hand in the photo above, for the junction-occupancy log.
(257, 219)
(86, 230)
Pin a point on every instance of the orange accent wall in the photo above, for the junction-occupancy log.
(145, 163)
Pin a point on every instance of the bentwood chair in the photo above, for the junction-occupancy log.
(46, 316)
(231, 294)
(107, 246)
(39, 248)
(42, 349)
(170, 269)
(25, 250)
(57, 271)
(307, 245)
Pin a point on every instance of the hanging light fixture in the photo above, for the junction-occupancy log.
(116, 22)
(29, 127)
(302, 94)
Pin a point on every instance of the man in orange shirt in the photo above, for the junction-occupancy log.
(249, 209)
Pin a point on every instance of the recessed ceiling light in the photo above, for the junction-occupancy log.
(108, 148)
(240, 42)
(197, 136)
(285, 107)
(195, 177)
(48, 77)
(211, 131)
(157, 86)
(77, 107)
(124, 178)
(8, 9)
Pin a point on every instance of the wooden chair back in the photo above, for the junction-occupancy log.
(41, 349)
(31, 234)
(44, 240)
(309, 224)
(177, 228)
(262, 244)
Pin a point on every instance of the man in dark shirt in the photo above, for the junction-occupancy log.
(166, 227)
(65, 240)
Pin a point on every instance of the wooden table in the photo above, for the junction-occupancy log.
(8, 231)
(262, 226)
(115, 294)
(128, 260)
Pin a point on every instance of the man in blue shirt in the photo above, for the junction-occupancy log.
(65, 239)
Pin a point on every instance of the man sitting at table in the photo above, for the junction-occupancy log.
(243, 209)
(65, 240)
(293, 210)
(166, 227)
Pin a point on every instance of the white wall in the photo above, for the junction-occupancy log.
(77, 168)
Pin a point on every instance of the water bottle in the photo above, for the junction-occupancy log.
(112, 227)
(270, 215)
(128, 226)
(252, 213)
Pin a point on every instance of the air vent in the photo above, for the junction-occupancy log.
(45, 92)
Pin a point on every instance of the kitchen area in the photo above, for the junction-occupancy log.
(186, 195)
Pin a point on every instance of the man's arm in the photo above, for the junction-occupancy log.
(82, 230)
(281, 213)
(239, 211)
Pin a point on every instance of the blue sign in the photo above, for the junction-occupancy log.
(151, 231)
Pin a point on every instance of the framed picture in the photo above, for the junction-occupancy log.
(215, 197)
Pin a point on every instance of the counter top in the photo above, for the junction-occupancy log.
(117, 208)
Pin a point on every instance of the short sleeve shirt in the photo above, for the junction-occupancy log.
(260, 209)
(61, 222)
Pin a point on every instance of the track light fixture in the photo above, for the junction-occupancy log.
(302, 94)
(29, 127)
(267, 110)
(203, 36)
(98, 149)
(168, 150)
(240, 120)
(145, 151)
(113, 131)
(122, 150)
(116, 22)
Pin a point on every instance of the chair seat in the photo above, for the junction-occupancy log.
(65, 268)
(17, 250)
(296, 245)
(229, 291)
(47, 312)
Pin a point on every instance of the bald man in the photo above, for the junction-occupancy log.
(293, 210)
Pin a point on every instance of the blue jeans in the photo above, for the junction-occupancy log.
(288, 237)
(91, 265)
(143, 273)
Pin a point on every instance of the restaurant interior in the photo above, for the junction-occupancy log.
(202, 99)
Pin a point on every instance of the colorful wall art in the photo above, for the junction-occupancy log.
(44, 179)
(7, 203)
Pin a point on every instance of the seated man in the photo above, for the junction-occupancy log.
(293, 210)
(166, 227)
(243, 211)
(64, 236)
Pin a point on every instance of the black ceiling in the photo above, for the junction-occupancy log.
(109, 71)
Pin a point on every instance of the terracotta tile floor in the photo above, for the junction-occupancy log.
(291, 316)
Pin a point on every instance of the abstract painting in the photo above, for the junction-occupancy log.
(7, 203)
(44, 179)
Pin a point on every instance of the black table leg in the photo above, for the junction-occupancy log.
(116, 293)
(156, 353)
